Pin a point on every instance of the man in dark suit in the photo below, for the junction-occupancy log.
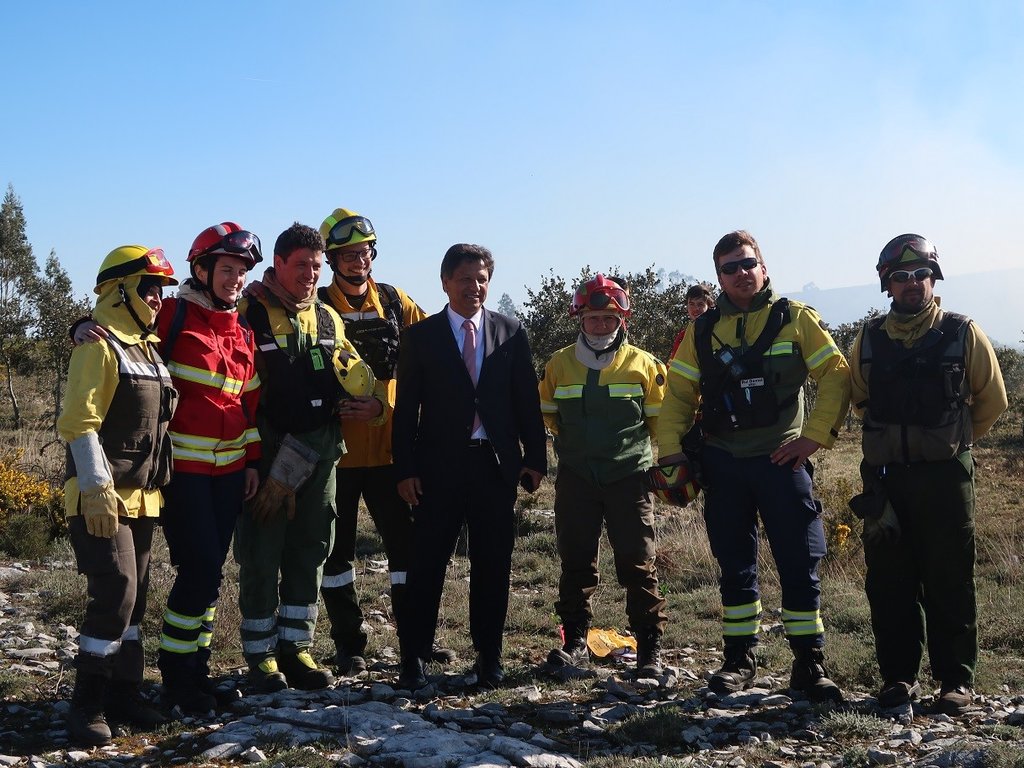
(466, 429)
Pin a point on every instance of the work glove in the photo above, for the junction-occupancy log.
(100, 508)
(884, 529)
(293, 466)
(99, 503)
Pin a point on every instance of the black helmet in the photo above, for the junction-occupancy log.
(907, 249)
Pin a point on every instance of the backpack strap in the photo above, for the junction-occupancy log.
(393, 308)
(177, 323)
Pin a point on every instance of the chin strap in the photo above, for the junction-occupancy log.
(217, 302)
(354, 279)
(146, 330)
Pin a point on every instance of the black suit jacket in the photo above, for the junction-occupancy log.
(433, 417)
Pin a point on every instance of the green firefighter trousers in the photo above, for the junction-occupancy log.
(922, 585)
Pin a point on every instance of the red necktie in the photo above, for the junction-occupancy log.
(469, 358)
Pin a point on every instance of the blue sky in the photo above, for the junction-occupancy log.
(558, 134)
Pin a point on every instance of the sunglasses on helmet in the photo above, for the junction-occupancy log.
(241, 242)
(732, 267)
(895, 252)
(343, 232)
(903, 275)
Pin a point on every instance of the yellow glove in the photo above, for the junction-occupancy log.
(100, 508)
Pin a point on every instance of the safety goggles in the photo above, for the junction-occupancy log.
(343, 232)
(732, 267)
(903, 275)
(616, 296)
(152, 262)
(241, 242)
(351, 257)
(895, 252)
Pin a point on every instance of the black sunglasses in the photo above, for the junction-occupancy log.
(732, 267)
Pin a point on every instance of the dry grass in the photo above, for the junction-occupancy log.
(688, 572)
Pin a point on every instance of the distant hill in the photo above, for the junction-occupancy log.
(990, 298)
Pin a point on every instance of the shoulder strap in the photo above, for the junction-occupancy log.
(177, 323)
(326, 332)
(702, 328)
(394, 303)
(258, 320)
(777, 317)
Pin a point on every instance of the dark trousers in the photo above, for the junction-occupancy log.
(393, 520)
(926, 578)
(624, 506)
(738, 490)
(198, 519)
(117, 577)
(483, 501)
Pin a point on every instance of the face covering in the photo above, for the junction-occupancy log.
(600, 343)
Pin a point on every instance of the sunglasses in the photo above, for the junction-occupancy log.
(361, 255)
(732, 267)
(236, 242)
(903, 275)
(343, 232)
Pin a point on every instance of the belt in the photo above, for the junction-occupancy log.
(480, 442)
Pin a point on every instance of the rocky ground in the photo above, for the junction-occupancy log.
(599, 714)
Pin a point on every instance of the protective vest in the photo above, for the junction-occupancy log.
(918, 397)
(210, 357)
(600, 418)
(300, 390)
(134, 430)
(376, 338)
(736, 392)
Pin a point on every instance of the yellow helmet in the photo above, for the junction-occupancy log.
(131, 260)
(345, 227)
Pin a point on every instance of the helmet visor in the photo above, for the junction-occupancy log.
(241, 243)
(343, 232)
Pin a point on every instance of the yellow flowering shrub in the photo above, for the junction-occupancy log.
(30, 509)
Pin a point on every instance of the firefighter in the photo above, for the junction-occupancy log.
(928, 385)
(210, 356)
(306, 367)
(115, 420)
(744, 364)
(600, 398)
(374, 314)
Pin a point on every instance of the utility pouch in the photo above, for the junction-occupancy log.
(870, 504)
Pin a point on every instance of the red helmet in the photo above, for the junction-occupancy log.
(228, 239)
(600, 293)
(674, 484)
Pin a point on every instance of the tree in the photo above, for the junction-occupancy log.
(18, 275)
(56, 309)
(507, 307)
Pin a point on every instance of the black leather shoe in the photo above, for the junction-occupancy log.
(489, 673)
(412, 677)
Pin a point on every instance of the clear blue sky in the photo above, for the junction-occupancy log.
(558, 134)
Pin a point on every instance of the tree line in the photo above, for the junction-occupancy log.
(37, 307)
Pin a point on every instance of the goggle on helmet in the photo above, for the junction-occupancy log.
(600, 293)
(906, 249)
(228, 239)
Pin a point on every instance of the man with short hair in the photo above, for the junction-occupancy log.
(927, 384)
(467, 429)
(306, 366)
(374, 314)
(744, 365)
